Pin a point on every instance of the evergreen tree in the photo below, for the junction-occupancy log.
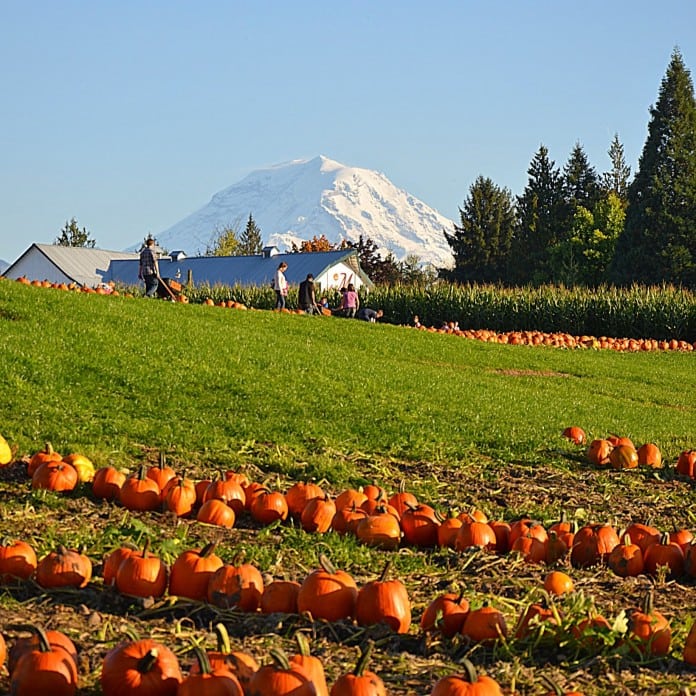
(481, 243)
(658, 243)
(539, 219)
(72, 236)
(224, 242)
(616, 180)
(250, 241)
(580, 182)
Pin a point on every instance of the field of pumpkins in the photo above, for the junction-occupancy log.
(186, 585)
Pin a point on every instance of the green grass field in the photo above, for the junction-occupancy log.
(287, 397)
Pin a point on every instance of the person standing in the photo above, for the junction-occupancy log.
(149, 268)
(280, 285)
(306, 297)
(351, 301)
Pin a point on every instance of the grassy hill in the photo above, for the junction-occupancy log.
(286, 398)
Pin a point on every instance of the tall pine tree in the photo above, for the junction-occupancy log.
(580, 181)
(250, 241)
(658, 243)
(481, 243)
(616, 180)
(539, 221)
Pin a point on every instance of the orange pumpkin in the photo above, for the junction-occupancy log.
(384, 601)
(318, 514)
(17, 561)
(64, 568)
(139, 492)
(328, 593)
(446, 614)
(217, 512)
(191, 572)
(47, 454)
(239, 586)
(107, 483)
(626, 559)
(649, 632)
(299, 494)
(280, 596)
(54, 476)
(361, 681)
(280, 678)
(649, 455)
(142, 574)
(484, 625)
(208, 679)
(310, 665)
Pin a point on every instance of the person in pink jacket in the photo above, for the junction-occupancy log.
(351, 301)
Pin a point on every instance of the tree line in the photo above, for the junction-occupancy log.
(574, 226)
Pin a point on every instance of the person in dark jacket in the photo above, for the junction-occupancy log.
(149, 270)
(306, 297)
(371, 315)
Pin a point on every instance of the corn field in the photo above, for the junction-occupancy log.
(661, 313)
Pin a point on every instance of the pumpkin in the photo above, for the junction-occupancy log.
(446, 614)
(682, 538)
(318, 514)
(361, 681)
(81, 464)
(54, 476)
(419, 525)
(64, 568)
(269, 506)
(208, 680)
(592, 633)
(598, 452)
(531, 617)
(217, 512)
(592, 545)
(44, 669)
(642, 535)
(47, 454)
(349, 497)
(142, 574)
(251, 491)
(17, 561)
(484, 625)
(56, 639)
(384, 601)
(299, 494)
(527, 527)
(239, 586)
(558, 583)
(531, 549)
(140, 668)
(107, 483)
(686, 463)
(380, 529)
(328, 593)
(448, 530)
(501, 530)
(649, 455)
(161, 474)
(179, 496)
(467, 684)
(228, 490)
(476, 534)
(191, 572)
(649, 632)
(346, 519)
(617, 440)
(623, 457)
(113, 561)
(280, 678)
(310, 665)
(626, 559)
(241, 664)
(556, 549)
(3, 651)
(139, 492)
(402, 499)
(280, 596)
(664, 553)
(575, 434)
(690, 646)
(5, 452)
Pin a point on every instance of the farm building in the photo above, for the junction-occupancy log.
(331, 269)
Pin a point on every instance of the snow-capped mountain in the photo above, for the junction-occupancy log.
(301, 199)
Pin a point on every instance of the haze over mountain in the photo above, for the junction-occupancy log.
(301, 199)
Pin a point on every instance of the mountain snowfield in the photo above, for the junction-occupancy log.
(301, 199)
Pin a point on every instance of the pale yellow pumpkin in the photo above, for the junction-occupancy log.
(5, 452)
(81, 464)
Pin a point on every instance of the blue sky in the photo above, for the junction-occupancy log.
(130, 115)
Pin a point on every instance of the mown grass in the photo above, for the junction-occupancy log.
(286, 397)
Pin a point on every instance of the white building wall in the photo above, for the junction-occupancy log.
(337, 277)
(35, 266)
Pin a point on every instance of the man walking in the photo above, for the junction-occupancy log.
(149, 269)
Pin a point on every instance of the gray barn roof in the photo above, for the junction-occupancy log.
(240, 270)
(82, 265)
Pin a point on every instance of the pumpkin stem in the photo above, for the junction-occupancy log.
(48, 448)
(383, 576)
(202, 659)
(147, 661)
(302, 644)
(146, 546)
(648, 602)
(279, 658)
(326, 564)
(365, 653)
(223, 639)
(208, 549)
(469, 671)
(162, 460)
